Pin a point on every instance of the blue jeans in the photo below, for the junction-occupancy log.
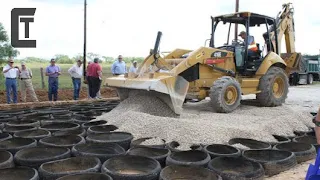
(11, 85)
(53, 88)
(76, 87)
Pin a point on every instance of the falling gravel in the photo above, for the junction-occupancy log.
(147, 116)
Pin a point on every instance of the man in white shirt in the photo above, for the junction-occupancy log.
(76, 72)
(10, 73)
(133, 68)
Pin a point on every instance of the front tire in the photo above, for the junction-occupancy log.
(274, 87)
(310, 79)
(225, 94)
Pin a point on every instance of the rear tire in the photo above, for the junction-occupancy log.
(274, 87)
(225, 94)
(310, 79)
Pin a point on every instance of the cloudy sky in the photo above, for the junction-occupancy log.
(129, 27)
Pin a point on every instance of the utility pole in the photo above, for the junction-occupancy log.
(85, 40)
(236, 25)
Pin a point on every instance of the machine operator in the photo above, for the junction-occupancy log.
(252, 48)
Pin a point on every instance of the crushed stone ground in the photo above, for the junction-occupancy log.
(147, 116)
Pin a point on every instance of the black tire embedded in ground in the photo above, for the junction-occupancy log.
(225, 94)
(5, 136)
(52, 121)
(189, 158)
(67, 141)
(273, 161)
(86, 176)
(274, 87)
(101, 129)
(236, 168)
(79, 132)
(15, 144)
(221, 150)
(185, 172)
(130, 167)
(307, 139)
(122, 138)
(35, 156)
(61, 126)
(250, 143)
(23, 123)
(14, 129)
(74, 165)
(6, 160)
(174, 147)
(19, 173)
(139, 143)
(155, 153)
(34, 134)
(93, 123)
(280, 139)
(303, 151)
(103, 151)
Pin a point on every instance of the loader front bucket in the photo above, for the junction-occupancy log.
(171, 90)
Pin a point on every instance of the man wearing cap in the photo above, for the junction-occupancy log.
(26, 83)
(118, 67)
(10, 73)
(133, 68)
(252, 46)
(76, 73)
(94, 74)
(53, 72)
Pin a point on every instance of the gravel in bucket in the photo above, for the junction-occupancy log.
(188, 173)
(35, 156)
(5, 136)
(74, 165)
(154, 142)
(121, 138)
(221, 150)
(6, 160)
(79, 132)
(236, 168)
(19, 173)
(99, 150)
(101, 129)
(33, 123)
(273, 161)
(61, 126)
(15, 144)
(62, 141)
(14, 129)
(244, 144)
(132, 167)
(189, 158)
(86, 176)
(155, 153)
(34, 134)
(303, 151)
(93, 123)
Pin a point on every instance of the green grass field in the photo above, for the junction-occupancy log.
(65, 81)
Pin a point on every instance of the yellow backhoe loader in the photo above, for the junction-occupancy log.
(223, 73)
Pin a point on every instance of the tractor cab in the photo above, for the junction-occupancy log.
(255, 26)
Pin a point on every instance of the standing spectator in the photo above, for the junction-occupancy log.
(89, 62)
(118, 67)
(94, 78)
(10, 73)
(26, 83)
(133, 68)
(76, 73)
(53, 72)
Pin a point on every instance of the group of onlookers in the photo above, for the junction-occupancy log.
(93, 78)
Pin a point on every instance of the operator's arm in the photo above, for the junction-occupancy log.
(317, 128)
(250, 39)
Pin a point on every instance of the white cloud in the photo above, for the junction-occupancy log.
(129, 27)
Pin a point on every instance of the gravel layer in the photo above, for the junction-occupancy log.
(152, 141)
(148, 116)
